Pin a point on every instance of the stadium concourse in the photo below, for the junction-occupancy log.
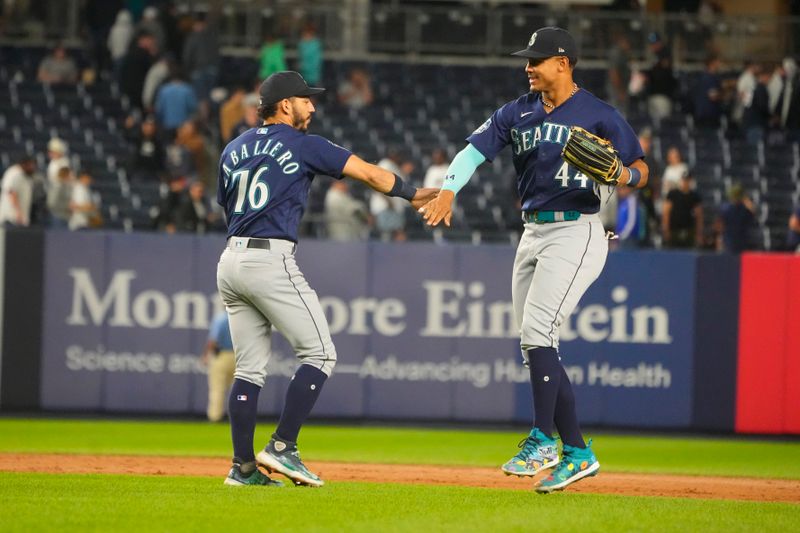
(417, 107)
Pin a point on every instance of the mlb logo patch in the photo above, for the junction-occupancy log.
(242, 397)
(262, 131)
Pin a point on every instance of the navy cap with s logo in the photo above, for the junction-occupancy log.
(548, 42)
(285, 84)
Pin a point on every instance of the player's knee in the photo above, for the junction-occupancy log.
(538, 333)
(256, 378)
(325, 362)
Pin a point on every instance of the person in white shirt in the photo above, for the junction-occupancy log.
(82, 203)
(16, 194)
(345, 217)
(389, 212)
(119, 38)
(434, 176)
(675, 170)
(57, 152)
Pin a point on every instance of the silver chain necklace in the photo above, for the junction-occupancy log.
(551, 106)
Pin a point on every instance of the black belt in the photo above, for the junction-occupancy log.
(263, 244)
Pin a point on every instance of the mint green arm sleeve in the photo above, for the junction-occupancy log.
(461, 168)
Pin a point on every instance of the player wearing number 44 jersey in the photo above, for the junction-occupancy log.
(264, 179)
(563, 248)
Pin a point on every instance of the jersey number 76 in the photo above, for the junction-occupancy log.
(255, 192)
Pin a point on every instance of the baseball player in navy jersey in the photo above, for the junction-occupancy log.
(563, 247)
(264, 180)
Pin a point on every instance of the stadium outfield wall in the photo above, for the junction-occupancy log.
(115, 323)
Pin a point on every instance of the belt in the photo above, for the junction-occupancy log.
(261, 244)
(546, 217)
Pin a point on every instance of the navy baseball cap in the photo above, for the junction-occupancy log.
(548, 42)
(285, 84)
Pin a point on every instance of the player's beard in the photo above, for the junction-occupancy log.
(300, 122)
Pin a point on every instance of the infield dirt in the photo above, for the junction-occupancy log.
(628, 484)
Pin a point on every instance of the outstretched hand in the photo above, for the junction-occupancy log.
(438, 209)
(423, 196)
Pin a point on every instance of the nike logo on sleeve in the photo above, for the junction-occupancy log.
(525, 114)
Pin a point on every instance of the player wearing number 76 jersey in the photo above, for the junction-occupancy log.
(563, 248)
(264, 179)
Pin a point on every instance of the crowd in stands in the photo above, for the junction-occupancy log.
(181, 112)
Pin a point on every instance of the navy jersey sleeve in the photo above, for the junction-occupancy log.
(494, 134)
(617, 130)
(324, 157)
(222, 178)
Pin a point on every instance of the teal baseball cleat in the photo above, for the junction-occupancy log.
(576, 464)
(237, 479)
(538, 453)
(283, 457)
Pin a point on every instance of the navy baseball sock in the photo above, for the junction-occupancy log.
(565, 416)
(301, 396)
(545, 376)
(242, 407)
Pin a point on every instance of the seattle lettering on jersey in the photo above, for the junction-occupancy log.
(529, 139)
(268, 148)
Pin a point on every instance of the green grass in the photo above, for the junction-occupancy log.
(654, 454)
(42, 502)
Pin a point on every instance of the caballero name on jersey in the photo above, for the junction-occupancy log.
(257, 149)
(525, 140)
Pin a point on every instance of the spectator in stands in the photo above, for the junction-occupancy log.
(775, 85)
(735, 222)
(175, 103)
(631, 224)
(151, 23)
(148, 163)
(793, 237)
(57, 153)
(309, 55)
(100, 16)
(674, 171)
(201, 58)
(250, 119)
(745, 85)
(647, 195)
(167, 209)
(158, 74)
(16, 193)
(389, 212)
(756, 115)
(189, 137)
(272, 57)
(135, 66)
(58, 67)
(85, 212)
(356, 91)
(706, 95)
(682, 219)
(194, 212)
(180, 164)
(59, 196)
(661, 82)
(434, 176)
(619, 73)
(231, 113)
(171, 20)
(788, 108)
(345, 217)
(119, 39)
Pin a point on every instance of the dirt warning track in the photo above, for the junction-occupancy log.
(627, 484)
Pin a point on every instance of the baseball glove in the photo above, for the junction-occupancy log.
(593, 156)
